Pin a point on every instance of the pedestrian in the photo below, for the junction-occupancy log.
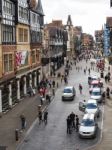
(80, 88)
(106, 78)
(84, 71)
(108, 92)
(77, 123)
(48, 98)
(53, 84)
(40, 116)
(23, 122)
(68, 125)
(41, 99)
(89, 71)
(65, 79)
(72, 117)
(45, 117)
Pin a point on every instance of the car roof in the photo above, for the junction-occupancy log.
(96, 90)
(89, 116)
(95, 82)
(68, 87)
(92, 101)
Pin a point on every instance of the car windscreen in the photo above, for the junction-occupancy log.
(94, 93)
(91, 106)
(67, 90)
(87, 122)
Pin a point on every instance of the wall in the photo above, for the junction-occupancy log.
(0, 54)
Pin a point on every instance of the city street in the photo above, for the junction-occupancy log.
(53, 136)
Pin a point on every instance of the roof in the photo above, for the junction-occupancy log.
(88, 116)
(92, 101)
(68, 87)
(36, 6)
(109, 21)
(96, 89)
(69, 21)
(95, 82)
(39, 8)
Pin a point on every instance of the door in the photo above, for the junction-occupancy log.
(82, 106)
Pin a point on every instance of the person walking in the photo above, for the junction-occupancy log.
(89, 71)
(84, 71)
(80, 88)
(68, 125)
(72, 117)
(23, 122)
(45, 117)
(40, 117)
(108, 92)
(53, 84)
(77, 123)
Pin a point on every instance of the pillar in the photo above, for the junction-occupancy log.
(30, 80)
(25, 88)
(0, 101)
(18, 89)
(35, 80)
(10, 95)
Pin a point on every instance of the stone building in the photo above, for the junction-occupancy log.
(21, 23)
(55, 46)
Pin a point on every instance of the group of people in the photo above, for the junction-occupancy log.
(72, 123)
(43, 117)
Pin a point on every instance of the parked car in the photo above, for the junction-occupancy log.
(92, 78)
(97, 94)
(94, 84)
(88, 127)
(68, 93)
(91, 106)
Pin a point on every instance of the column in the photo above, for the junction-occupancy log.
(10, 95)
(18, 89)
(30, 80)
(25, 88)
(35, 80)
(0, 101)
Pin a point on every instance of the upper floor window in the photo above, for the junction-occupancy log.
(8, 62)
(23, 13)
(8, 34)
(23, 35)
(8, 8)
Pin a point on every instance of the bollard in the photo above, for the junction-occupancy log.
(17, 134)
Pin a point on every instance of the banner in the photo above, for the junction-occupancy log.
(21, 58)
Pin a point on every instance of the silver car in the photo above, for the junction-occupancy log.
(88, 126)
(68, 93)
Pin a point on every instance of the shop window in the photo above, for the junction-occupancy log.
(8, 62)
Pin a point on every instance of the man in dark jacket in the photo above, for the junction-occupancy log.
(68, 125)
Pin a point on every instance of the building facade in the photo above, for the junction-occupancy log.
(55, 46)
(20, 49)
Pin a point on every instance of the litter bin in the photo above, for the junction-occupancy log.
(102, 75)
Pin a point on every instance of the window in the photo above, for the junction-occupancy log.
(23, 13)
(8, 62)
(23, 35)
(37, 55)
(33, 57)
(8, 7)
(8, 33)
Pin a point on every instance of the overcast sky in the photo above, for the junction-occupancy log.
(90, 14)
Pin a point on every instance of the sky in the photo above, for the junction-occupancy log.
(90, 14)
